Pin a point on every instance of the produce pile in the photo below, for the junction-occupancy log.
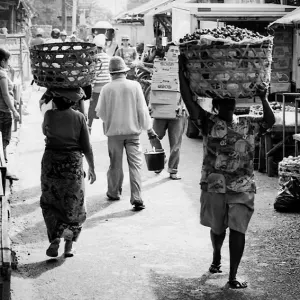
(276, 107)
(230, 33)
(227, 61)
(287, 168)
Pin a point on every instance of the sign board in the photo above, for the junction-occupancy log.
(282, 60)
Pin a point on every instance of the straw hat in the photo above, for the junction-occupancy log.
(100, 40)
(125, 37)
(63, 33)
(117, 65)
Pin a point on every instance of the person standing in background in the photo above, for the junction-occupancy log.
(63, 36)
(102, 77)
(7, 107)
(38, 40)
(129, 55)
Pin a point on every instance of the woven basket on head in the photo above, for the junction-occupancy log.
(229, 70)
(63, 65)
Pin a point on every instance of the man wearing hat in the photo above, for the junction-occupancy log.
(130, 56)
(123, 110)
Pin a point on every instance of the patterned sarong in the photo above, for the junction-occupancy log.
(62, 199)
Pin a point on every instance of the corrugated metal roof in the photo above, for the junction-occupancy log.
(142, 9)
(291, 18)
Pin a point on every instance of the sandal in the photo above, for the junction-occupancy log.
(215, 269)
(235, 284)
(68, 249)
(52, 251)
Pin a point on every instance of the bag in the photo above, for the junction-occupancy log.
(288, 199)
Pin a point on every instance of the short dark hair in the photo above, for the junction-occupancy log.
(219, 101)
(61, 104)
(4, 54)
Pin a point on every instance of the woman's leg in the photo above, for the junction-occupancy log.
(217, 243)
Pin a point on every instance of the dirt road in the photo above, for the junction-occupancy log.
(157, 254)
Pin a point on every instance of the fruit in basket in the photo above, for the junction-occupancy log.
(228, 32)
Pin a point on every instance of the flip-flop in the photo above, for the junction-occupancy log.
(235, 284)
(215, 269)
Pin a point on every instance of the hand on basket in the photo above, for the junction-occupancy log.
(262, 90)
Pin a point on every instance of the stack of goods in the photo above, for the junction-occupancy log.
(290, 119)
(63, 65)
(165, 94)
(227, 61)
(289, 167)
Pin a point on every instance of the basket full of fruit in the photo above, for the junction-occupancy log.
(289, 167)
(227, 61)
(63, 65)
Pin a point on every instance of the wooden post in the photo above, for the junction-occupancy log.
(63, 14)
(74, 16)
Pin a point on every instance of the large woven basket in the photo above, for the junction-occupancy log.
(228, 70)
(63, 65)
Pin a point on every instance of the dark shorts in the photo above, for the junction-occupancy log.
(220, 211)
(5, 127)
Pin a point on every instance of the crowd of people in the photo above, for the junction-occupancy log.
(227, 181)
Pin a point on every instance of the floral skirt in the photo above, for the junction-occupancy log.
(62, 199)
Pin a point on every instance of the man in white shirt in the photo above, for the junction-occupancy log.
(123, 110)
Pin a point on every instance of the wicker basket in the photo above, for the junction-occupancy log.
(63, 65)
(228, 70)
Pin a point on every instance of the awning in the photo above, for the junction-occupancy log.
(28, 8)
(238, 12)
(142, 9)
(291, 18)
(148, 7)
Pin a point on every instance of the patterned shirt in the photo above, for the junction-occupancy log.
(229, 153)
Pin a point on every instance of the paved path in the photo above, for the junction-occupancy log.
(159, 253)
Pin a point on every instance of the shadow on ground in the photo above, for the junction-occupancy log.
(34, 270)
(207, 287)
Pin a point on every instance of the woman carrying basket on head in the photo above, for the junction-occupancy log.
(62, 177)
(227, 182)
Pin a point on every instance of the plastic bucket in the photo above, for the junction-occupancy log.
(155, 160)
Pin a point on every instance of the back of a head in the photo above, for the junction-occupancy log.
(4, 54)
(100, 40)
(55, 33)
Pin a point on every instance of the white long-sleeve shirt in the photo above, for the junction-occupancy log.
(122, 108)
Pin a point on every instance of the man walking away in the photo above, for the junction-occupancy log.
(124, 112)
